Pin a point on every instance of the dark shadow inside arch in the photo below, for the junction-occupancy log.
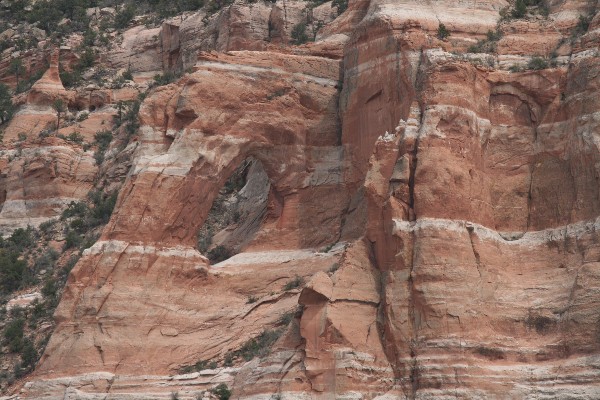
(237, 212)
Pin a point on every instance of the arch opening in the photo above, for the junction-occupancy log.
(237, 212)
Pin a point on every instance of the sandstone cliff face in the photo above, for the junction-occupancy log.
(431, 218)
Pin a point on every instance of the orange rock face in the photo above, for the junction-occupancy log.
(431, 220)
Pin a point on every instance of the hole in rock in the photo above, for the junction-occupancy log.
(92, 108)
(237, 212)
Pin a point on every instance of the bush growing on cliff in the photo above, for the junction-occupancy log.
(17, 68)
(199, 366)
(295, 283)
(127, 75)
(341, 5)
(130, 119)
(124, 16)
(74, 209)
(26, 84)
(488, 45)
(73, 239)
(168, 8)
(6, 104)
(221, 391)
(537, 63)
(21, 239)
(29, 357)
(102, 140)
(12, 271)
(299, 35)
(442, 32)
(13, 335)
(75, 137)
(259, 346)
(104, 205)
(86, 217)
(520, 9)
(286, 318)
(165, 79)
(73, 78)
(582, 26)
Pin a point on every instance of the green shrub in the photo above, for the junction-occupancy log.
(21, 238)
(131, 116)
(46, 260)
(298, 34)
(494, 36)
(102, 140)
(537, 63)
(251, 299)
(341, 5)
(49, 290)
(515, 68)
(73, 239)
(199, 366)
(78, 225)
(328, 248)
(259, 346)
(286, 318)
(13, 335)
(29, 355)
(104, 204)
(442, 32)
(75, 137)
(83, 116)
(216, 5)
(6, 104)
(221, 391)
(69, 79)
(127, 75)
(334, 267)
(87, 59)
(583, 24)
(12, 271)
(520, 9)
(295, 283)
(88, 242)
(124, 16)
(165, 79)
(75, 209)
(89, 37)
(45, 227)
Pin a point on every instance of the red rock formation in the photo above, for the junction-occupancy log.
(463, 199)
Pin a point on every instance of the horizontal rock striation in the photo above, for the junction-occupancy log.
(430, 228)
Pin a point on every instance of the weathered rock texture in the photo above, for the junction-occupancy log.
(464, 201)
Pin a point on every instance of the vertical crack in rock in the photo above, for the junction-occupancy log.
(406, 369)
(414, 367)
(111, 381)
(529, 196)
(101, 352)
(411, 180)
(471, 232)
(532, 174)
